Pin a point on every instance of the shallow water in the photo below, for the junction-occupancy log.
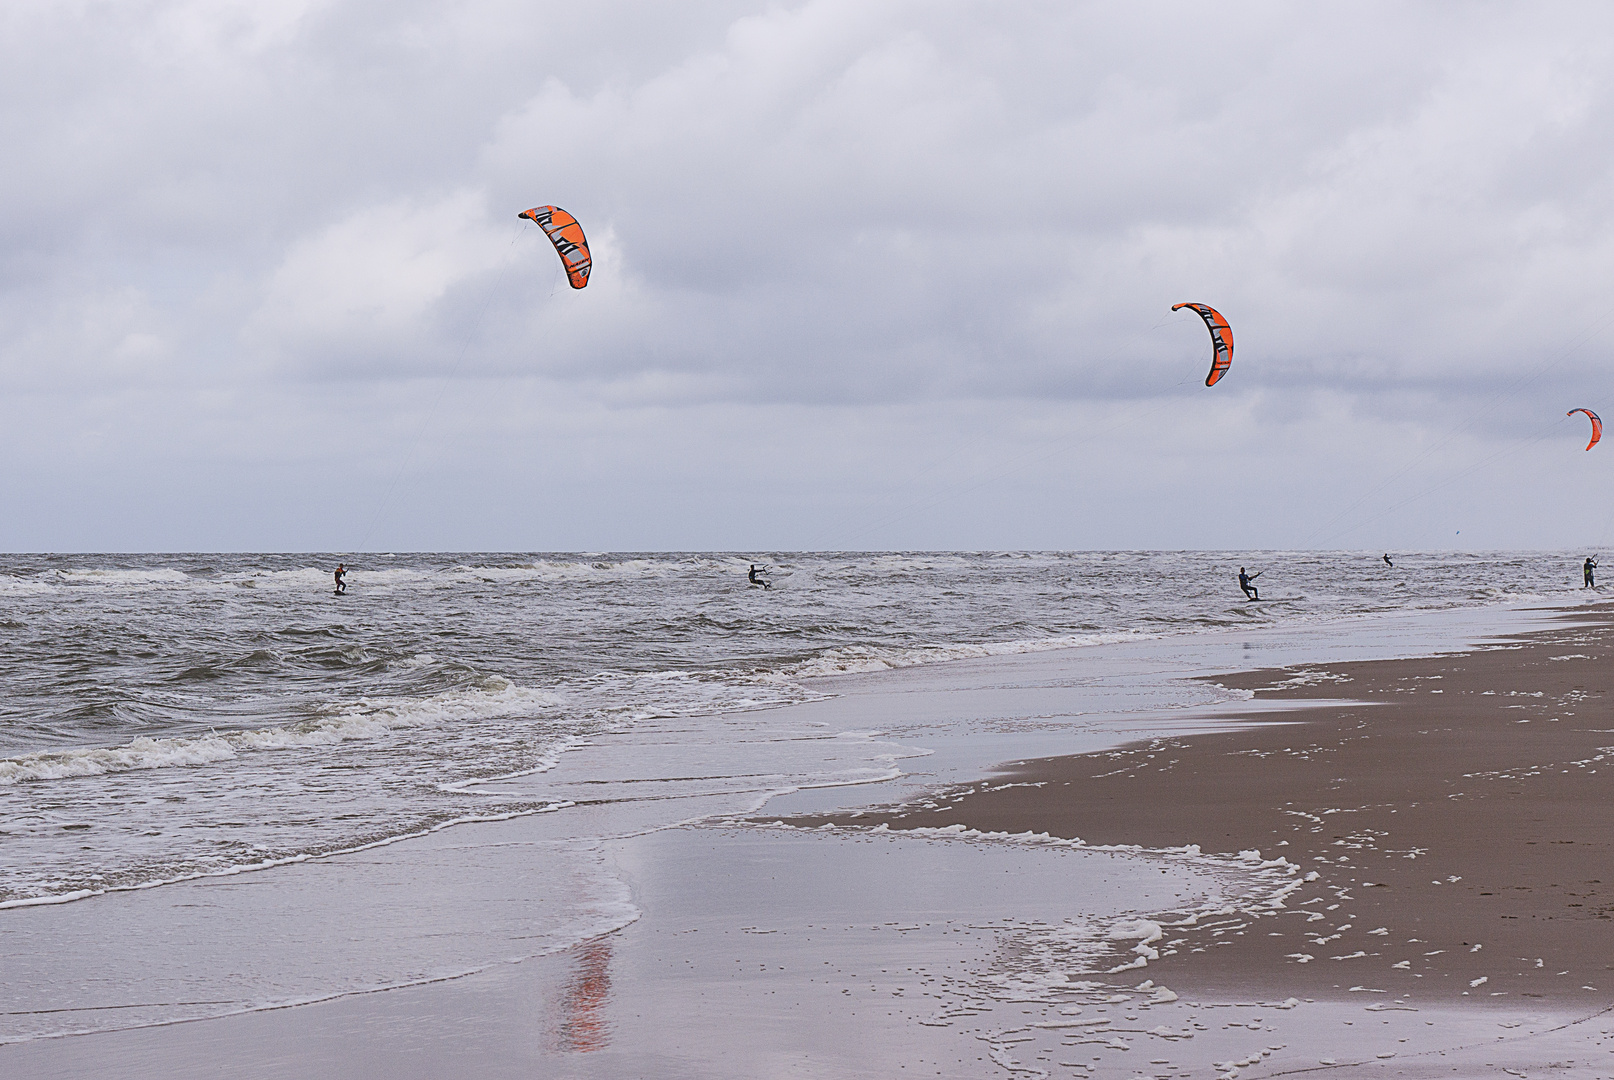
(765, 951)
(163, 716)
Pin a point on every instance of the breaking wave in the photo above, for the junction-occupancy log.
(360, 720)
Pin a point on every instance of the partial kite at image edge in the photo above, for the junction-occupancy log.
(1597, 424)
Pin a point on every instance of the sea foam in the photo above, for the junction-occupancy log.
(360, 720)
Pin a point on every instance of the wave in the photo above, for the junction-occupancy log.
(114, 576)
(364, 719)
(856, 659)
(235, 869)
(537, 571)
(851, 659)
(647, 694)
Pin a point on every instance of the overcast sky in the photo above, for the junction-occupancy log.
(867, 274)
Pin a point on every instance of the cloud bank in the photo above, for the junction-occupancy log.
(867, 274)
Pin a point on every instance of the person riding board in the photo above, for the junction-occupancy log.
(756, 578)
(1586, 573)
(341, 586)
(1247, 583)
(1387, 561)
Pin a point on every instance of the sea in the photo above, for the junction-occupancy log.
(169, 717)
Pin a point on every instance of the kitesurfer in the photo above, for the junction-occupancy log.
(756, 578)
(1387, 561)
(341, 586)
(1247, 583)
(1586, 573)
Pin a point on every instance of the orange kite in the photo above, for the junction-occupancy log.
(567, 236)
(1597, 425)
(1221, 340)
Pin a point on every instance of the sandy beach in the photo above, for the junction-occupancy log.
(1457, 807)
(1357, 866)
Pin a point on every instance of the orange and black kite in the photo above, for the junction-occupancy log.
(567, 236)
(1221, 339)
(1597, 425)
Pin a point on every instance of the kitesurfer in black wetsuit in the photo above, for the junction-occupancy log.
(756, 578)
(1387, 561)
(341, 586)
(1586, 574)
(1247, 583)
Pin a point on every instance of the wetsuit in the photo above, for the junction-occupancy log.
(341, 586)
(1247, 583)
(758, 579)
(1387, 561)
(1586, 573)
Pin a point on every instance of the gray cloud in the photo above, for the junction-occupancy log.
(866, 273)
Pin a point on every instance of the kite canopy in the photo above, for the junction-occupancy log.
(1221, 339)
(567, 236)
(1597, 425)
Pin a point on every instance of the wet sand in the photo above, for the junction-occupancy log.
(1458, 812)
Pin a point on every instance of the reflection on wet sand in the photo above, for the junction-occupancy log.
(583, 1026)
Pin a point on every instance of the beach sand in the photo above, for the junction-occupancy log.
(1459, 811)
(1442, 904)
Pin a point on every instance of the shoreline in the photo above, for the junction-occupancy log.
(1458, 810)
(860, 950)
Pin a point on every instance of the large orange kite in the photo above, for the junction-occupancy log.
(567, 236)
(1221, 339)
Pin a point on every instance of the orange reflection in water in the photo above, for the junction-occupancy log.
(583, 1026)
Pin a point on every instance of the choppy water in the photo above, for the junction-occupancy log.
(162, 716)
